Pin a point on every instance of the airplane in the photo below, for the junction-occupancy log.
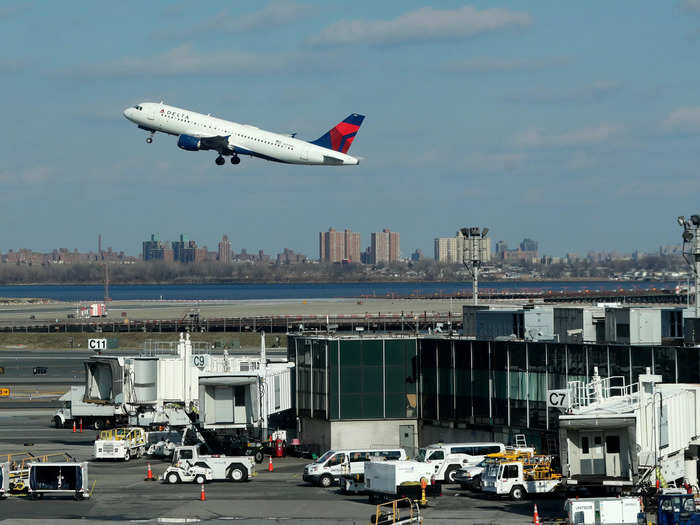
(196, 131)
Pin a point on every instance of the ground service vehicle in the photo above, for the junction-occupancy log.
(470, 477)
(675, 507)
(448, 458)
(234, 468)
(187, 472)
(602, 511)
(4, 479)
(121, 443)
(387, 480)
(59, 479)
(75, 409)
(335, 463)
(519, 478)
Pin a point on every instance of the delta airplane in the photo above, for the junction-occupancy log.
(203, 132)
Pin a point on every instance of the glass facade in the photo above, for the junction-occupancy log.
(355, 378)
(505, 382)
(500, 383)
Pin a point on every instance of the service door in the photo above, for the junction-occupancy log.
(406, 439)
(592, 454)
(613, 467)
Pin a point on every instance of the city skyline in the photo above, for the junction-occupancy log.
(538, 119)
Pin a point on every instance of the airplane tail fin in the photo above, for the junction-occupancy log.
(341, 136)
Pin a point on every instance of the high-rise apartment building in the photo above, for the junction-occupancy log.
(335, 246)
(224, 255)
(385, 247)
(352, 246)
(156, 250)
(451, 249)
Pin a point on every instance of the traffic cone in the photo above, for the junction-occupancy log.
(74, 426)
(202, 495)
(270, 468)
(536, 517)
(81, 425)
(149, 474)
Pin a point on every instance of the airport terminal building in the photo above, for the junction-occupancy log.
(382, 389)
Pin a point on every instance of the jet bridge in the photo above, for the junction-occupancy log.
(104, 380)
(614, 435)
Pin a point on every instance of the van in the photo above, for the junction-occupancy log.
(327, 469)
(448, 458)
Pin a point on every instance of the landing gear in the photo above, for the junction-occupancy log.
(149, 139)
(235, 159)
(220, 161)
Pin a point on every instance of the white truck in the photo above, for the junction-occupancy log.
(234, 468)
(121, 443)
(602, 511)
(511, 479)
(447, 458)
(385, 480)
(93, 415)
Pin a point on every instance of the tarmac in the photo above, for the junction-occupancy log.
(120, 493)
(120, 310)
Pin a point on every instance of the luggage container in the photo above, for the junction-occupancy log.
(388, 480)
(59, 479)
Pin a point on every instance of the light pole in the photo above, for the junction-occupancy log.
(691, 252)
(473, 257)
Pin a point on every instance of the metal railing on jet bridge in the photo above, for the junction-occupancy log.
(609, 393)
(153, 348)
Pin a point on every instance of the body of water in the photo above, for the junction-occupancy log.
(307, 290)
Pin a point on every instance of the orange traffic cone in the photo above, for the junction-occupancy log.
(536, 517)
(149, 474)
(202, 495)
(81, 425)
(74, 426)
(270, 468)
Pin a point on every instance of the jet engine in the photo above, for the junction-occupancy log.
(189, 143)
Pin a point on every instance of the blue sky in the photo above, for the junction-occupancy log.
(574, 123)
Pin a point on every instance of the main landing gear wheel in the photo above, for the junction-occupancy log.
(235, 160)
(149, 140)
(220, 161)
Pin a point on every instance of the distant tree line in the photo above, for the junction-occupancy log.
(213, 272)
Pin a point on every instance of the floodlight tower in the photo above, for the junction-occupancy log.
(691, 252)
(474, 245)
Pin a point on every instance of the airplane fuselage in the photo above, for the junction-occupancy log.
(198, 131)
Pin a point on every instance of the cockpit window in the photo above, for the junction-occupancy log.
(138, 107)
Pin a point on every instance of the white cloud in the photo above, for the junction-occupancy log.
(535, 138)
(683, 121)
(691, 6)
(494, 162)
(422, 25)
(22, 178)
(183, 60)
(591, 93)
(12, 10)
(274, 14)
(498, 65)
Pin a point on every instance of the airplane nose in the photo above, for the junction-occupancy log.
(128, 112)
